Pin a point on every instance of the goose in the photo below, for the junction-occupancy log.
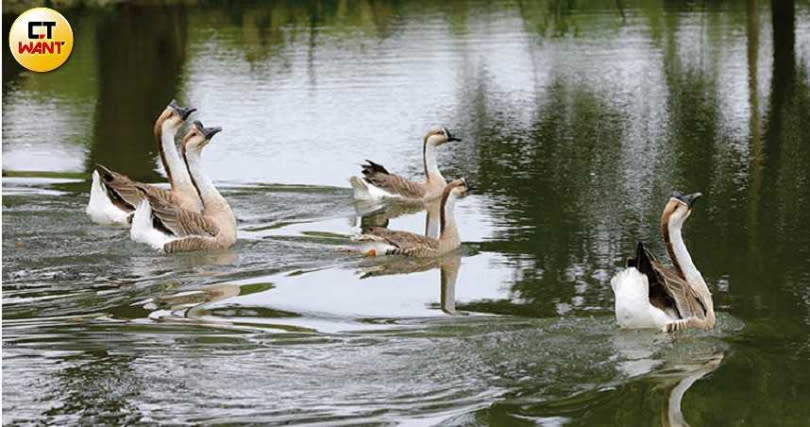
(650, 295)
(383, 241)
(113, 196)
(169, 228)
(377, 183)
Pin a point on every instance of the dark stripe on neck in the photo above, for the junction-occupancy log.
(191, 175)
(424, 157)
(668, 242)
(159, 135)
(442, 214)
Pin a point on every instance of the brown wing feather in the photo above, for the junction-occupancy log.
(404, 239)
(189, 244)
(124, 192)
(668, 289)
(376, 175)
(180, 222)
(686, 299)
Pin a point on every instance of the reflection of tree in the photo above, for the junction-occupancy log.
(756, 149)
(141, 54)
(783, 211)
(265, 28)
(11, 70)
(554, 180)
(692, 103)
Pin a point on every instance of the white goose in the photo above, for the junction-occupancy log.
(650, 295)
(377, 183)
(113, 196)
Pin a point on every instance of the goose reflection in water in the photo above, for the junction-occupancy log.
(673, 371)
(681, 381)
(189, 302)
(379, 214)
(448, 264)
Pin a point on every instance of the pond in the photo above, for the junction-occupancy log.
(578, 119)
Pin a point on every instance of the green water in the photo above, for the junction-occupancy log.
(578, 120)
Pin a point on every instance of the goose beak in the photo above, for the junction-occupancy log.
(468, 186)
(183, 112)
(210, 132)
(689, 199)
(453, 138)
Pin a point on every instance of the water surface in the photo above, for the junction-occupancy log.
(577, 119)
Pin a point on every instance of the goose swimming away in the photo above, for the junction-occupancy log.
(113, 196)
(377, 183)
(650, 295)
(382, 241)
(169, 228)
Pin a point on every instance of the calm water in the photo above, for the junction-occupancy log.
(578, 120)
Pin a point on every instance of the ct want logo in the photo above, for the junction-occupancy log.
(41, 39)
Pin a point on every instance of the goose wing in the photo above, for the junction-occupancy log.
(376, 175)
(406, 243)
(668, 288)
(124, 192)
(176, 220)
(686, 299)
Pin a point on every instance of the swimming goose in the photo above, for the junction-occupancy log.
(382, 241)
(113, 196)
(650, 295)
(170, 228)
(377, 183)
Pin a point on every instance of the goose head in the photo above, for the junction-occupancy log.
(678, 208)
(458, 187)
(198, 136)
(439, 136)
(173, 117)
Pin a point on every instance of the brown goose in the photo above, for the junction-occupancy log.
(382, 241)
(651, 295)
(377, 183)
(170, 228)
(113, 196)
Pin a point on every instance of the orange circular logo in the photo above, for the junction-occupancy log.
(41, 39)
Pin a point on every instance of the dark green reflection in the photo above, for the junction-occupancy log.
(141, 52)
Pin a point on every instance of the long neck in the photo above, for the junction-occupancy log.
(432, 218)
(447, 221)
(449, 275)
(175, 167)
(429, 158)
(209, 195)
(159, 137)
(683, 262)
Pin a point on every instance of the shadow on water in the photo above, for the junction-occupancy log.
(578, 119)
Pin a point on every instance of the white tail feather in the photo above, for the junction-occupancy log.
(143, 231)
(632, 302)
(101, 209)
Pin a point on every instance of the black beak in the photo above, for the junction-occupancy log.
(689, 199)
(184, 112)
(468, 186)
(452, 138)
(208, 133)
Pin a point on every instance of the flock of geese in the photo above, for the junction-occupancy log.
(193, 216)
